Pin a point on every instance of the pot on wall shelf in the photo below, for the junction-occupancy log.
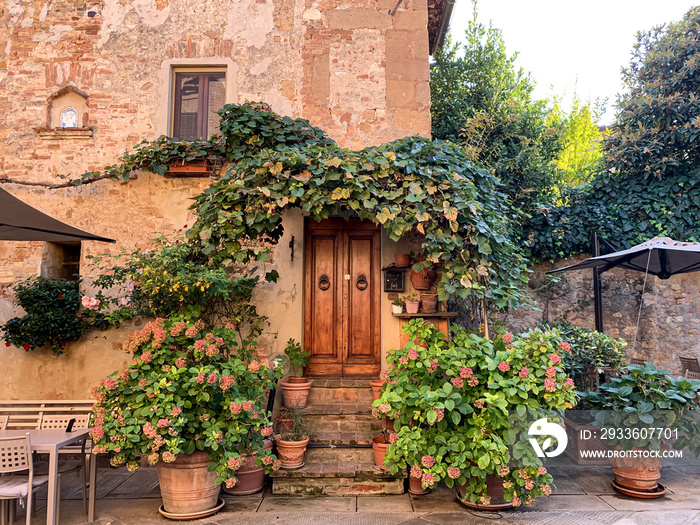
(395, 309)
(412, 307)
(295, 391)
(428, 302)
(423, 279)
(402, 259)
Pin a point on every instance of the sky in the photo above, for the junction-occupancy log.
(572, 46)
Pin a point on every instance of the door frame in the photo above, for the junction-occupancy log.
(341, 366)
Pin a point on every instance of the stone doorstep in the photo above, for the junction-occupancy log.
(357, 471)
(339, 454)
(325, 382)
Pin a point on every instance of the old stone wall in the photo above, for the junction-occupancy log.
(346, 65)
(670, 316)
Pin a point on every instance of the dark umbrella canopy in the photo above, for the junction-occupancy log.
(662, 256)
(21, 222)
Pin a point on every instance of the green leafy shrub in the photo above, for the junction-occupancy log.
(298, 357)
(52, 316)
(590, 351)
(450, 402)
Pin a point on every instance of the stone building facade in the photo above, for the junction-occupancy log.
(107, 71)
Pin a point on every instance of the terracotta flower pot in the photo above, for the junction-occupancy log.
(412, 307)
(251, 477)
(379, 446)
(423, 279)
(295, 393)
(291, 453)
(186, 486)
(402, 259)
(640, 475)
(415, 486)
(377, 385)
(283, 424)
(192, 167)
(494, 489)
(428, 302)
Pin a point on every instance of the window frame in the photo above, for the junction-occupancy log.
(202, 102)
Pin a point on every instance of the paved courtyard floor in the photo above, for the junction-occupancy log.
(583, 496)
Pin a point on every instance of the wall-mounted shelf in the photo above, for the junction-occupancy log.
(439, 315)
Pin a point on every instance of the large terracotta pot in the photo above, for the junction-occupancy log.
(291, 453)
(379, 446)
(377, 385)
(494, 489)
(641, 475)
(251, 477)
(416, 487)
(295, 391)
(187, 487)
(423, 279)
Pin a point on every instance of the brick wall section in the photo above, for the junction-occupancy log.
(670, 319)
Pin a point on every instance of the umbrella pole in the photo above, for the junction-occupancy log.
(597, 289)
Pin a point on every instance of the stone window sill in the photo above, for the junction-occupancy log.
(64, 133)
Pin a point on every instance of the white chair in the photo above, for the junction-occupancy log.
(3, 422)
(19, 481)
(60, 421)
(689, 374)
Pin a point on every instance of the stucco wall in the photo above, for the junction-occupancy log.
(670, 317)
(347, 66)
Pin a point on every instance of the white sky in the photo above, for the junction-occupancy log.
(570, 45)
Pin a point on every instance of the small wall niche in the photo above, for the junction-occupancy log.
(61, 260)
(67, 116)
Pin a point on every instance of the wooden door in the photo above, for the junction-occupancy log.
(342, 298)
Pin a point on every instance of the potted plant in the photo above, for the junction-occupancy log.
(421, 279)
(428, 302)
(191, 402)
(591, 353)
(250, 477)
(451, 400)
(378, 384)
(284, 420)
(292, 442)
(295, 389)
(397, 306)
(630, 411)
(402, 260)
(412, 303)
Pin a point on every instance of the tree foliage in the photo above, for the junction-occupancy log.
(480, 100)
(657, 129)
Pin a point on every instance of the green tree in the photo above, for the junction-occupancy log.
(481, 101)
(657, 128)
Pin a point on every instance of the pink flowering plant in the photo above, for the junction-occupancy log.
(188, 388)
(450, 401)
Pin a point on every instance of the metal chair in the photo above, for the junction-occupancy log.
(3, 422)
(20, 481)
(60, 421)
(689, 374)
(689, 363)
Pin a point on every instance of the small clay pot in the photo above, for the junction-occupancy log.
(402, 259)
(428, 302)
(295, 393)
(283, 425)
(379, 446)
(291, 453)
(377, 385)
(412, 307)
(415, 486)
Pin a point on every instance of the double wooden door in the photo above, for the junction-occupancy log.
(342, 298)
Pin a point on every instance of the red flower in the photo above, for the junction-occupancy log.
(7, 343)
(27, 346)
(60, 296)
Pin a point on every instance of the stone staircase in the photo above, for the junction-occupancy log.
(339, 460)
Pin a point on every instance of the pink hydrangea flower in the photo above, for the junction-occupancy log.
(235, 408)
(248, 406)
(454, 472)
(457, 382)
(547, 490)
(412, 354)
(403, 360)
(510, 346)
(440, 414)
(504, 366)
(149, 431)
(393, 437)
(176, 411)
(550, 385)
(416, 471)
(200, 378)
(230, 483)
(211, 351)
(465, 372)
(146, 357)
(199, 345)
(541, 471)
(566, 347)
(555, 358)
(433, 366)
(267, 431)
(507, 337)
(191, 331)
(479, 403)
(427, 481)
(277, 464)
(529, 484)
(427, 461)
(162, 423)
(143, 382)
(209, 337)
(550, 372)
(226, 382)
(181, 362)
(254, 366)
(234, 463)
(111, 383)
(569, 383)
(212, 378)
(97, 432)
(524, 372)
(474, 381)
(122, 375)
(384, 408)
(177, 329)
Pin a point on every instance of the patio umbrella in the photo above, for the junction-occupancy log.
(661, 256)
(21, 222)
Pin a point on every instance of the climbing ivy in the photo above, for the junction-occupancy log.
(409, 184)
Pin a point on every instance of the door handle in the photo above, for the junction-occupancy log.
(324, 282)
(361, 283)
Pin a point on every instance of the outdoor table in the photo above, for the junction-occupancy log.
(48, 441)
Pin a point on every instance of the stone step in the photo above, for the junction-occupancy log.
(345, 423)
(348, 438)
(337, 478)
(340, 392)
(339, 455)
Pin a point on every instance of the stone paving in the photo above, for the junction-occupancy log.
(584, 496)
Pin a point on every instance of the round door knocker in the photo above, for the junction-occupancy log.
(324, 282)
(361, 283)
